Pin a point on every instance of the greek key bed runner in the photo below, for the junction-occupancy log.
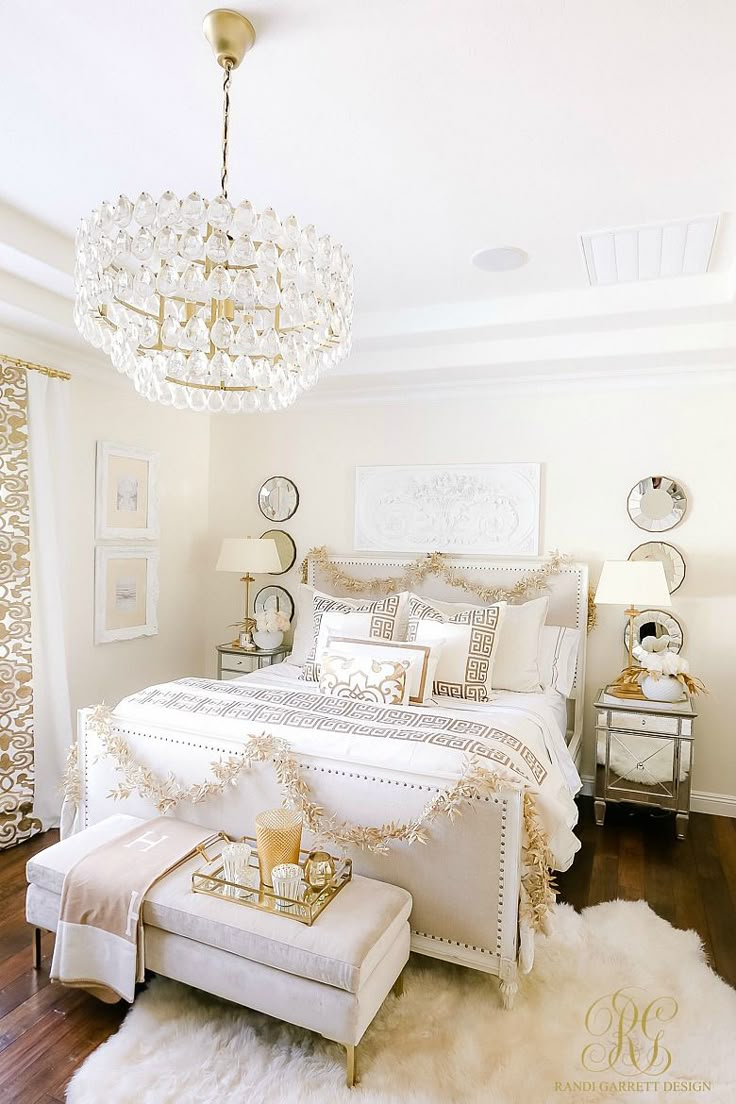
(433, 742)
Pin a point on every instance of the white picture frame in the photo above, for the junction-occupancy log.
(126, 592)
(465, 509)
(126, 493)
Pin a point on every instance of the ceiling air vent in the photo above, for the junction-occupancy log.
(649, 252)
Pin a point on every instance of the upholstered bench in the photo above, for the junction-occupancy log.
(331, 978)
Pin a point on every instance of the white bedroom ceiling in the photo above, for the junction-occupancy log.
(418, 133)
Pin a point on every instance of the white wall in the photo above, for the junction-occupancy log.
(593, 445)
(105, 412)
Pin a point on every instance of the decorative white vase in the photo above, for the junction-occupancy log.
(666, 688)
(267, 641)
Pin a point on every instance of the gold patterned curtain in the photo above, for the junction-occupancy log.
(16, 685)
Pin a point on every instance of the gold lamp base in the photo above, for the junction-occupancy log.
(230, 35)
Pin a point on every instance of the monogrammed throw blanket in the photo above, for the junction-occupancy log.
(99, 941)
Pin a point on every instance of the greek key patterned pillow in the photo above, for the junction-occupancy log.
(378, 620)
(470, 642)
(380, 681)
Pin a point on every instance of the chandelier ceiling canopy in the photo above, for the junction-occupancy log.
(211, 304)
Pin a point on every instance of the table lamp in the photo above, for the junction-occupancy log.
(631, 583)
(246, 554)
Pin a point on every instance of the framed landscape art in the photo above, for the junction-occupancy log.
(126, 493)
(126, 592)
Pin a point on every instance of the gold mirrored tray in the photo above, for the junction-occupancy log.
(210, 879)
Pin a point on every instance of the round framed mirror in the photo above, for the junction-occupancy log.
(274, 598)
(278, 498)
(669, 557)
(656, 503)
(656, 622)
(285, 547)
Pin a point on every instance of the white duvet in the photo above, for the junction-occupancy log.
(524, 733)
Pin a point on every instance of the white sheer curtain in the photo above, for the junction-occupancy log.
(48, 454)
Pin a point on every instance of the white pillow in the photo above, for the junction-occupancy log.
(380, 621)
(304, 626)
(558, 658)
(517, 665)
(420, 659)
(470, 638)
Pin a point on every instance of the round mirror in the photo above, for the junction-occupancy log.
(274, 598)
(669, 557)
(655, 622)
(657, 503)
(278, 498)
(285, 548)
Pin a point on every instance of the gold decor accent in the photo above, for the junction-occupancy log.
(319, 869)
(53, 373)
(16, 673)
(630, 676)
(278, 840)
(474, 783)
(433, 563)
(592, 611)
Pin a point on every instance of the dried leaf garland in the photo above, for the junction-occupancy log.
(475, 782)
(433, 563)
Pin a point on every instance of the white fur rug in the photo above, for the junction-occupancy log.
(448, 1041)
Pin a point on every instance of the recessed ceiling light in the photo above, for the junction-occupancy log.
(502, 259)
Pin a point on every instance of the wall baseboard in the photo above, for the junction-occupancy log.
(701, 801)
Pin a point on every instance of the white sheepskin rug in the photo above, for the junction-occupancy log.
(448, 1041)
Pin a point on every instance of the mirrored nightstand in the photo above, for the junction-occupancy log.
(644, 755)
(233, 661)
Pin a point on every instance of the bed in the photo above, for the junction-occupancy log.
(375, 764)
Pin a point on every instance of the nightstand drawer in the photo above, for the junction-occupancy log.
(645, 722)
(237, 663)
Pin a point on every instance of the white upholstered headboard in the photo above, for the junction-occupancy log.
(567, 592)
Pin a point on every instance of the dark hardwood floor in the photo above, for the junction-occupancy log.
(635, 855)
(46, 1031)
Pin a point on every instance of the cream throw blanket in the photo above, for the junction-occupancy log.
(99, 941)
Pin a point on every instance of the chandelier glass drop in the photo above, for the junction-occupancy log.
(209, 304)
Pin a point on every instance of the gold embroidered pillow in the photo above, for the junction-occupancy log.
(420, 659)
(470, 642)
(377, 620)
(380, 681)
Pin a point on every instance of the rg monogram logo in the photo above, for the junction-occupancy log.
(630, 1034)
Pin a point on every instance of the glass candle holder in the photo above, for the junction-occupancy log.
(278, 838)
(287, 878)
(236, 865)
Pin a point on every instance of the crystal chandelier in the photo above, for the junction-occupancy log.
(207, 304)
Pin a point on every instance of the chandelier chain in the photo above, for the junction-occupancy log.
(225, 126)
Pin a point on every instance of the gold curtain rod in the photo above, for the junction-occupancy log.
(53, 373)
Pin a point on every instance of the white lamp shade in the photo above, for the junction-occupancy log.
(245, 554)
(632, 583)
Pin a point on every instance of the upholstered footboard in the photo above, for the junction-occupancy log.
(464, 881)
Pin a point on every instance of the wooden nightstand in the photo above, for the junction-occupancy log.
(233, 661)
(644, 754)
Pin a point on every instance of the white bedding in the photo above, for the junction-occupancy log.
(548, 708)
(515, 734)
